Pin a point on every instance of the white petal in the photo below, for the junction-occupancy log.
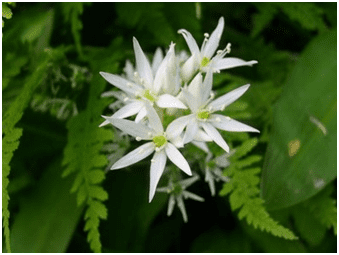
(187, 194)
(177, 158)
(189, 68)
(207, 86)
(142, 114)
(176, 127)
(227, 99)
(201, 145)
(128, 110)
(213, 42)
(165, 78)
(154, 120)
(104, 123)
(226, 123)
(157, 168)
(181, 206)
(129, 70)
(121, 83)
(131, 128)
(191, 131)
(143, 66)
(169, 101)
(192, 44)
(195, 88)
(191, 100)
(171, 203)
(177, 141)
(214, 134)
(227, 63)
(201, 136)
(157, 59)
(134, 156)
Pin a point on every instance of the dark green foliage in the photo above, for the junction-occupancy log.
(12, 134)
(244, 191)
(57, 192)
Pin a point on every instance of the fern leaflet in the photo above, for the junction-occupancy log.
(244, 192)
(11, 134)
(72, 11)
(83, 157)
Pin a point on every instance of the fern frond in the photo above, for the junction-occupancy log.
(72, 11)
(244, 191)
(11, 134)
(82, 157)
(324, 208)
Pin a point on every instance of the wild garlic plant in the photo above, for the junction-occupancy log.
(174, 105)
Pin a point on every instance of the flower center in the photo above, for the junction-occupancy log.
(203, 114)
(204, 62)
(159, 140)
(148, 95)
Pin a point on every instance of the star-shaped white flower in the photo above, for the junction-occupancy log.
(158, 89)
(204, 59)
(178, 193)
(203, 108)
(162, 143)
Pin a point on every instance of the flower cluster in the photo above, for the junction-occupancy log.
(173, 104)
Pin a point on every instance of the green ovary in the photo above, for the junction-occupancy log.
(204, 62)
(159, 141)
(203, 115)
(149, 96)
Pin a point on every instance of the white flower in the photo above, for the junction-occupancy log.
(162, 143)
(203, 108)
(148, 89)
(213, 170)
(178, 194)
(202, 59)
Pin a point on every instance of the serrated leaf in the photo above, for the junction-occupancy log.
(245, 147)
(96, 176)
(301, 155)
(77, 182)
(98, 192)
(81, 195)
(309, 15)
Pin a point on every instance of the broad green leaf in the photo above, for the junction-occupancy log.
(47, 217)
(301, 155)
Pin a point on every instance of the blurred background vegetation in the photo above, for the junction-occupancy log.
(51, 57)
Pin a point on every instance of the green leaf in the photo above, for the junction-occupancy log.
(309, 15)
(11, 135)
(47, 216)
(301, 155)
(71, 12)
(266, 13)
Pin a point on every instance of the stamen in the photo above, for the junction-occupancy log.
(228, 118)
(125, 99)
(206, 35)
(138, 138)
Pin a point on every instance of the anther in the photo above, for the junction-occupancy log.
(206, 35)
(228, 48)
(138, 138)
